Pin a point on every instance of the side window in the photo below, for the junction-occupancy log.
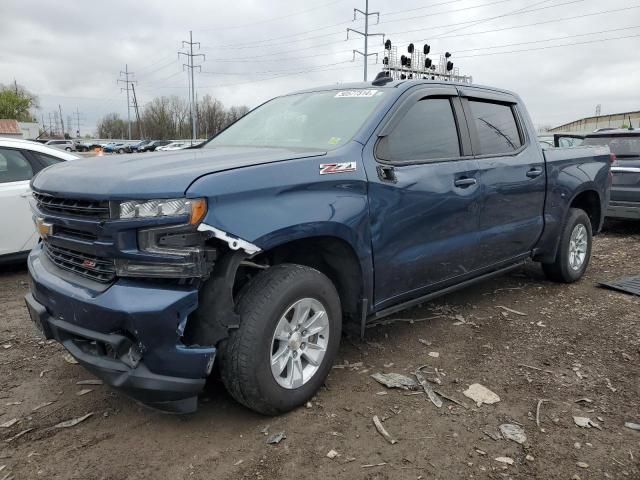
(46, 160)
(14, 167)
(496, 126)
(428, 131)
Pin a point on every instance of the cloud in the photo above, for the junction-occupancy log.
(70, 53)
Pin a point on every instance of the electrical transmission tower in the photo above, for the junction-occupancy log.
(190, 67)
(127, 82)
(77, 114)
(365, 34)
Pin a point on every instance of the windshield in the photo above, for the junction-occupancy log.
(622, 145)
(316, 120)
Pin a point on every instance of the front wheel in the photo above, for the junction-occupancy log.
(574, 250)
(287, 341)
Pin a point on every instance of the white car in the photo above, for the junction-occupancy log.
(67, 145)
(173, 146)
(20, 160)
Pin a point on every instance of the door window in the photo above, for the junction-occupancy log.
(427, 132)
(496, 126)
(14, 167)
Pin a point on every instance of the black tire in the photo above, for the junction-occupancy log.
(121, 151)
(560, 270)
(246, 355)
(68, 149)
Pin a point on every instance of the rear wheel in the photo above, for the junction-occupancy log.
(287, 341)
(574, 251)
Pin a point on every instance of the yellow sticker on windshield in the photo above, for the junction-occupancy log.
(334, 140)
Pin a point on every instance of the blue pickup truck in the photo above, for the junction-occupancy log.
(314, 214)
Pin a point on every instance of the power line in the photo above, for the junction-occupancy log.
(555, 20)
(546, 40)
(551, 46)
(268, 20)
(482, 20)
(365, 34)
(270, 55)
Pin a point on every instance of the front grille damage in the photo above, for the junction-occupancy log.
(89, 266)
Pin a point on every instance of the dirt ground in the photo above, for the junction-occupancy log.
(572, 342)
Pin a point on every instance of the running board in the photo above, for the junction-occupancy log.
(430, 296)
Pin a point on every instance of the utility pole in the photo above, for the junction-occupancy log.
(365, 34)
(61, 120)
(127, 82)
(190, 66)
(50, 126)
(135, 105)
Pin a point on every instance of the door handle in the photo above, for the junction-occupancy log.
(465, 182)
(534, 173)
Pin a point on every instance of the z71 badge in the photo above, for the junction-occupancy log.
(326, 168)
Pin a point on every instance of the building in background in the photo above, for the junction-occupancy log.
(14, 129)
(589, 124)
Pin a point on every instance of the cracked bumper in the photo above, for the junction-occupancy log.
(127, 334)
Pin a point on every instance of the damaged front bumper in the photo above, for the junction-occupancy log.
(128, 334)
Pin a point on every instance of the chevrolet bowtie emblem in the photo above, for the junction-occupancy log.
(43, 227)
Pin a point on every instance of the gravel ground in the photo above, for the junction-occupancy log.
(569, 343)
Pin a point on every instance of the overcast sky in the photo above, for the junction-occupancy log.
(71, 52)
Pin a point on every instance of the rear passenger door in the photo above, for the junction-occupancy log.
(17, 232)
(423, 196)
(512, 177)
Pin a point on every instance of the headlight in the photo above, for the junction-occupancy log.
(177, 251)
(195, 208)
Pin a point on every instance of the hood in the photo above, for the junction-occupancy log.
(152, 175)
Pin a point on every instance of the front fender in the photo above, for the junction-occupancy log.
(271, 204)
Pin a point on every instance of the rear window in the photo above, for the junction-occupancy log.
(621, 145)
(497, 128)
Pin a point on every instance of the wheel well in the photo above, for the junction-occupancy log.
(589, 201)
(333, 257)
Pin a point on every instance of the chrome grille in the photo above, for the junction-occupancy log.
(70, 206)
(89, 266)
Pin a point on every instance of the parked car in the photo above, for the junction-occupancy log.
(173, 146)
(315, 213)
(625, 191)
(151, 146)
(561, 140)
(20, 160)
(67, 145)
(120, 147)
(81, 147)
(137, 147)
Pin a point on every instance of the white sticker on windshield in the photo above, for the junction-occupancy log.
(356, 94)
